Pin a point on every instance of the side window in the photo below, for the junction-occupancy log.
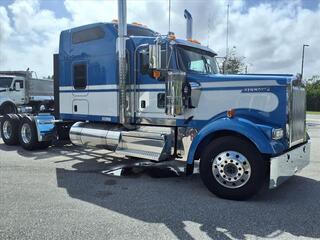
(197, 65)
(161, 101)
(144, 60)
(80, 76)
(20, 84)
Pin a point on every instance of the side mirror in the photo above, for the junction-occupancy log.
(155, 56)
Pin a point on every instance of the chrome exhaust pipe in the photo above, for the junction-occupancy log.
(188, 17)
(124, 99)
(95, 135)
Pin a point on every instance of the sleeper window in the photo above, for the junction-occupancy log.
(87, 35)
(80, 76)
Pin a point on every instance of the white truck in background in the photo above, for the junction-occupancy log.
(21, 92)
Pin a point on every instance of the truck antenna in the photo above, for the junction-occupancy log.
(169, 15)
(209, 28)
(227, 35)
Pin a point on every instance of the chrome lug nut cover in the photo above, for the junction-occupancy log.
(26, 133)
(7, 129)
(231, 169)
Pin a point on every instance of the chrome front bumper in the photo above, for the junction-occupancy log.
(286, 165)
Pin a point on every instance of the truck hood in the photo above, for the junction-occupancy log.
(3, 89)
(279, 79)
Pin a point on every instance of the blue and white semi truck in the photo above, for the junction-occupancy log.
(125, 88)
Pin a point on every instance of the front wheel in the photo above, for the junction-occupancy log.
(232, 168)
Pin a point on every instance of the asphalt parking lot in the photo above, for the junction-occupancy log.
(60, 193)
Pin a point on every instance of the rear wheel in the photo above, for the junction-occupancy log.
(28, 136)
(9, 129)
(232, 168)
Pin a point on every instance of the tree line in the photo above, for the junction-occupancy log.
(313, 93)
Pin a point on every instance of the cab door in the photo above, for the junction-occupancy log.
(17, 91)
(150, 91)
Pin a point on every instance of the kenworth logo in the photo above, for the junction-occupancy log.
(256, 89)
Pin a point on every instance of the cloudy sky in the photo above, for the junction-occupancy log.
(269, 34)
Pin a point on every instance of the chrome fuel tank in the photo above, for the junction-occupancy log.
(95, 135)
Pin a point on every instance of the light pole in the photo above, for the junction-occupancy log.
(302, 61)
(246, 68)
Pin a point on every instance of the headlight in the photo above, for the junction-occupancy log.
(277, 133)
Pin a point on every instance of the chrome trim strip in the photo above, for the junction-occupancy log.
(157, 121)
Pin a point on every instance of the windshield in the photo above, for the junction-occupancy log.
(5, 82)
(196, 60)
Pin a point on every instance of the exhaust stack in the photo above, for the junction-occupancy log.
(188, 17)
(122, 34)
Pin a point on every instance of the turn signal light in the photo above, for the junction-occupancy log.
(231, 113)
(193, 41)
(156, 74)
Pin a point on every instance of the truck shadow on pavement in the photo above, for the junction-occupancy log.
(183, 203)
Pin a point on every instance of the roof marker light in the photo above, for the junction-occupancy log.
(171, 36)
(193, 41)
(137, 24)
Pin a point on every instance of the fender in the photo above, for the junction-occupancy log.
(45, 127)
(4, 100)
(241, 126)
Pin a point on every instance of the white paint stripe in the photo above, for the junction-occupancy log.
(91, 87)
(107, 86)
(151, 86)
(66, 88)
(203, 84)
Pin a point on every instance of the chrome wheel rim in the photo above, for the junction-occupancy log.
(231, 169)
(7, 130)
(26, 133)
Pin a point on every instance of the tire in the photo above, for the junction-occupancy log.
(9, 129)
(28, 136)
(232, 168)
(8, 108)
(63, 132)
(44, 145)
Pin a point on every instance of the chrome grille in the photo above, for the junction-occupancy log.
(297, 113)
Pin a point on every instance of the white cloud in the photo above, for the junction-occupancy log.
(31, 37)
(270, 36)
